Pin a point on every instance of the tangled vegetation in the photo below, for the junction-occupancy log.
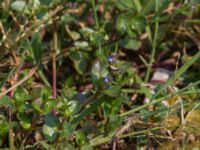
(99, 74)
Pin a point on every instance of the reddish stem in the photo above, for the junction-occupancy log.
(54, 76)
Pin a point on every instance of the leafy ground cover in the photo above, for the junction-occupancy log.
(99, 74)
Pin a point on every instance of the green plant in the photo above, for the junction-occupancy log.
(77, 74)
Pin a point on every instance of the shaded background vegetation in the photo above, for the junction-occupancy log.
(84, 74)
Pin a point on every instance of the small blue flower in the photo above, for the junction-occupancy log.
(111, 59)
(107, 79)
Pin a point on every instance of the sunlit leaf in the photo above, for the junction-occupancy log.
(50, 133)
(20, 6)
(50, 127)
(121, 24)
(81, 44)
(80, 137)
(74, 35)
(80, 61)
(98, 71)
(25, 120)
(74, 107)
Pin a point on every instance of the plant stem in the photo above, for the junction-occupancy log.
(138, 5)
(154, 45)
(54, 76)
(11, 134)
(55, 45)
(44, 79)
(154, 102)
(95, 14)
(30, 74)
(11, 94)
(110, 137)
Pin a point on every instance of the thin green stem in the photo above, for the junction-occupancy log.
(141, 107)
(154, 102)
(95, 14)
(111, 136)
(138, 5)
(178, 73)
(153, 47)
(44, 79)
(141, 132)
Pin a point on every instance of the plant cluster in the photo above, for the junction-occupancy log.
(84, 74)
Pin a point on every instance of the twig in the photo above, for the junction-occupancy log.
(54, 74)
(30, 74)
(53, 55)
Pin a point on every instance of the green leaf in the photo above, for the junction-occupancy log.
(113, 91)
(81, 44)
(47, 2)
(5, 126)
(80, 62)
(24, 107)
(125, 5)
(74, 35)
(36, 46)
(5, 100)
(117, 103)
(146, 91)
(98, 71)
(131, 44)
(35, 93)
(162, 6)
(121, 24)
(19, 6)
(114, 122)
(148, 7)
(34, 5)
(74, 107)
(137, 23)
(68, 18)
(4, 80)
(50, 133)
(80, 137)
(45, 145)
(81, 66)
(123, 66)
(50, 105)
(51, 120)
(86, 147)
(25, 120)
(50, 127)
(68, 129)
(88, 33)
(36, 107)
(21, 95)
(88, 110)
